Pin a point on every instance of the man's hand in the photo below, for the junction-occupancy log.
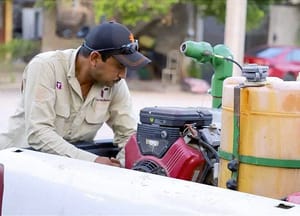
(108, 161)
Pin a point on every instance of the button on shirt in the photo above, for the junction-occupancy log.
(52, 112)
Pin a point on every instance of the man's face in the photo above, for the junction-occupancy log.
(109, 72)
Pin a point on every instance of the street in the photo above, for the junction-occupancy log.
(142, 97)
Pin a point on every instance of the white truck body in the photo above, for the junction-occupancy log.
(42, 184)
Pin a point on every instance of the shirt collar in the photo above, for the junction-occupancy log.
(72, 61)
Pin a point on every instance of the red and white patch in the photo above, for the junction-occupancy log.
(58, 85)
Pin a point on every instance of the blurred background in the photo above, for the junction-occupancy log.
(28, 27)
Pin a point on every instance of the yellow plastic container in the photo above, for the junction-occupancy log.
(269, 137)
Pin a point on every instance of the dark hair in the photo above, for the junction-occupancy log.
(86, 52)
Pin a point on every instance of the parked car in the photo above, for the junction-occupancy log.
(283, 61)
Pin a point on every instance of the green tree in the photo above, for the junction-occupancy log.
(16, 49)
(130, 12)
(256, 10)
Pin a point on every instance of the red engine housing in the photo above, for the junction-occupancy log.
(180, 161)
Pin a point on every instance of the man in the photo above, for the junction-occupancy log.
(67, 95)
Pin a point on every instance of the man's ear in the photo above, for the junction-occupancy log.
(95, 57)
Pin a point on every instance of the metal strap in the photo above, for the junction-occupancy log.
(236, 128)
(261, 161)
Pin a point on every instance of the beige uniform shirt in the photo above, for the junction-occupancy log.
(53, 113)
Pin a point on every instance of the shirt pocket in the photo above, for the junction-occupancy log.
(98, 112)
(61, 119)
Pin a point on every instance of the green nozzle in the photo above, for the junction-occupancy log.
(203, 52)
(200, 51)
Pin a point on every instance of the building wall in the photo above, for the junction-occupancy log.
(50, 40)
(2, 18)
(64, 14)
(32, 23)
(284, 27)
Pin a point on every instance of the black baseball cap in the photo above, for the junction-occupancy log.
(114, 39)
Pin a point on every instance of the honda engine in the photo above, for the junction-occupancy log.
(175, 142)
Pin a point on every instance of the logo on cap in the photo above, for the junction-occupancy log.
(131, 38)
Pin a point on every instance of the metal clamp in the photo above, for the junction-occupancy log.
(255, 73)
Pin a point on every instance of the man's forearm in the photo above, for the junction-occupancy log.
(47, 140)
